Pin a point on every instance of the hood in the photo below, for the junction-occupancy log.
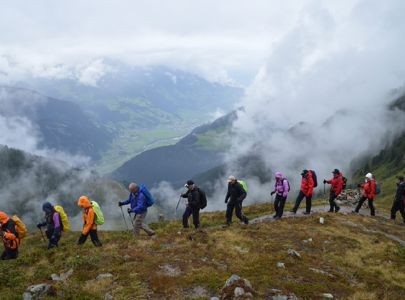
(47, 208)
(84, 202)
(279, 175)
(3, 217)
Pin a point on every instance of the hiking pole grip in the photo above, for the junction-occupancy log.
(178, 202)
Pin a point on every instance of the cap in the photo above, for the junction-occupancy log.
(189, 182)
(336, 171)
(304, 172)
(400, 178)
(231, 178)
(369, 176)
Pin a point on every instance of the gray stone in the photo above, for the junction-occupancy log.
(104, 276)
(293, 253)
(232, 279)
(171, 271)
(108, 296)
(321, 272)
(248, 296)
(238, 292)
(214, 298)
(62, 276)
(248, 284)
(327, 296)
(281, 265)
(38, 291)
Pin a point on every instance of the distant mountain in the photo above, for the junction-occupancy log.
(62, 125)
(144, 107)
(197, 152)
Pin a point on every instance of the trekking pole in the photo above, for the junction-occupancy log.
(178, 202)
(132, 222)
(43, 237)
(123, 216)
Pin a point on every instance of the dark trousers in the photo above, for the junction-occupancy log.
(279, 203)
(237, 205)
(370, 204)
(94, 238)
(9, 254)
(308, 201)
(398, 205)
(53, 239)
(195, 212)
(332, 202)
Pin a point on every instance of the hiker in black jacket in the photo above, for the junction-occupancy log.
(399, 199)
(236, 194)
(193, 196)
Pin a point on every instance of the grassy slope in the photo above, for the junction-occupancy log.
(364, 266)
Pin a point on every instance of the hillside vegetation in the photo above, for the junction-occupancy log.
(357, 261)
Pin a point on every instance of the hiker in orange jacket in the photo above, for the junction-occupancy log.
(9, 236)
(369, 189)
(89, 225)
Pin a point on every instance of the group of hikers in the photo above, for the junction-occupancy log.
(12, 229)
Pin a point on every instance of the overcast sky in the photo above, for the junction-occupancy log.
(222, 40)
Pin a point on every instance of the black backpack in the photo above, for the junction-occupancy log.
(203, 199)
(314, 177)
(344, 182)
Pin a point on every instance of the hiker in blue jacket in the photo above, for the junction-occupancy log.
(139, 207)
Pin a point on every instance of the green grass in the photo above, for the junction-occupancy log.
(362, 264)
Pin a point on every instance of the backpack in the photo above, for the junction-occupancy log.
(314, 178)
(344, 182)
(63, 217)
(20, 227)
(203, 199)
(288, 183)
(149, 199)
(99, 219)
(244, 185)
(377, 188)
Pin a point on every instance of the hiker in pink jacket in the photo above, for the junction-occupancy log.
(281, 189)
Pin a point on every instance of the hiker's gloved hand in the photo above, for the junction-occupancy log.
(226, 200)
(120, 204)
(39, 225)
(324, 181)
(359, 185)
(272, 193)
(129, 210)
(82, 239)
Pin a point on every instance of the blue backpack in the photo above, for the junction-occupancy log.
(149, 199)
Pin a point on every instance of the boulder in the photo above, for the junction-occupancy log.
(293, 253)
(39, 291)
(104, 276)
(62, 276)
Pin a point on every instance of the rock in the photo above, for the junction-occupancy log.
(321, 272)
(214, 298)
(307, 241)
(199, 292)
(232, 279)
(281, 265)
(62, 276)
(248, 296)
(171, 271)
(39, 291)
(293, 253)
(321, 220)
(108, 296)
(248, 284)
(104, 276)
(327, 296)
(280, 295)
(239, 292)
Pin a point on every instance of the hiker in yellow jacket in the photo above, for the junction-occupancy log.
(89, 225)
(9, 236)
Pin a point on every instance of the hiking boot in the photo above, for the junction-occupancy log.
(151, 233)
(337, 209)
(354, 212)
(246, 221)
(306, 213)
(293, 211)
(275, 216)
(330, 211)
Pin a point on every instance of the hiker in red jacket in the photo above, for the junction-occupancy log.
(307, 189)
(336, 188)
(368, 194)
